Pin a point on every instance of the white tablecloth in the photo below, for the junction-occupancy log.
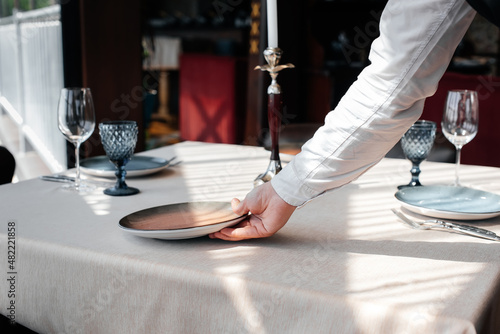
(343, 263)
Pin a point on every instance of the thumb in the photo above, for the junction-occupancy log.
(238, 207)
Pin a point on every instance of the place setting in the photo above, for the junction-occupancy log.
(76, 121)
(119, 139)
(444, 201)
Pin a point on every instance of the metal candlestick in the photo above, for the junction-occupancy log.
(274, 112)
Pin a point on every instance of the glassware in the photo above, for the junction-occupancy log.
(417, 143)
(460, 121)
(76, 121)
(119, 139)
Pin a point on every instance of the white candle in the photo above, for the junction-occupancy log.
(272, 24)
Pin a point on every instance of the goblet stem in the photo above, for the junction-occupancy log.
(77, 157)
(457, 165)
(415, 172)
(121, 188)
(120, 175)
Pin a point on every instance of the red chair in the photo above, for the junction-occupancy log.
(210, 109)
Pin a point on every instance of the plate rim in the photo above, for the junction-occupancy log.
(130, 172)
(196, 231)
(185, 233)
(448, 214)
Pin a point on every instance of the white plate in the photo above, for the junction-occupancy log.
(180, 220)
(139, 165)
(450, 202)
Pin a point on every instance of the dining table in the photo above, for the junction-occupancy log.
(344, 263)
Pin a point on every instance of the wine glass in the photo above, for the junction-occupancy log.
(417, 143)
(119, 139)
(460, 121)
(76, 121)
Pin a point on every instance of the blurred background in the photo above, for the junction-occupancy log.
(184, 70)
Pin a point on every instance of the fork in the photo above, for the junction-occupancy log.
(447, 226)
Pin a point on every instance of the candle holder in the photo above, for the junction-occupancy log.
(274, 111)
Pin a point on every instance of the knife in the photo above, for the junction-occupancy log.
(57, 178)
(467, 229)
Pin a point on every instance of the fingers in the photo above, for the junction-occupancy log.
(235, 234)
(269, 213)
(251, 227)
(243, 230)
(238, 207)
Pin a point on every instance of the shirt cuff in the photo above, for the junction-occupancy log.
(290, 188)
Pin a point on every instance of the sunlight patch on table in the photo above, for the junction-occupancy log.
(98, 202)
(421, 282)
(233, 282)
(241, 298)
(239, 252)
(370, 220)
(413, 294)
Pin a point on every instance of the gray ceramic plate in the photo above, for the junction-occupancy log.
(139, 165)
(450, 202)
(180, 220)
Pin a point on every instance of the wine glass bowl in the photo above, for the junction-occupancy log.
(417, 143)
(119, 139)
(76, 121)
(460, 121)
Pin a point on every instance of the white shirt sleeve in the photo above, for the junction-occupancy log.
(417, 41)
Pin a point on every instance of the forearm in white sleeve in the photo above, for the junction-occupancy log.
(417, 41)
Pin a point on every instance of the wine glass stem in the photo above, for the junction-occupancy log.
(77, 157)
(457, 166)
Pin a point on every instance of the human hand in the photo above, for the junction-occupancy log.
(269, 213)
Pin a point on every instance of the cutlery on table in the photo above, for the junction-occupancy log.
(68, 179)
(57, 178)
(447, 226)
(173, 164)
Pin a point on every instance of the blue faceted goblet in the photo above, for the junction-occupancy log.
(417, 143)
(119, 139)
